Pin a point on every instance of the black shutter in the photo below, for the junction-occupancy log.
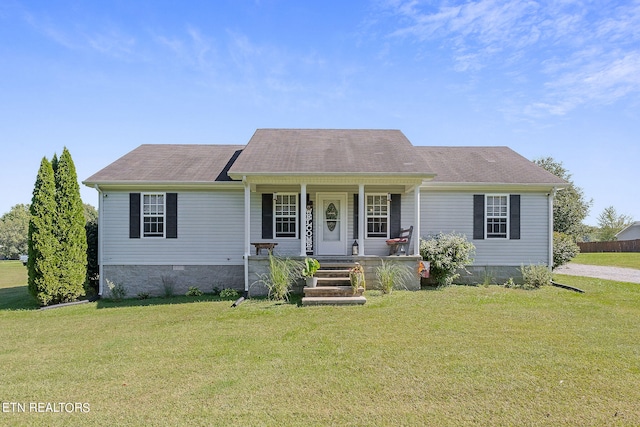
(267, 216)
(134, 215)
(478, 216)
(356, 207)
(514, 216)
(395, 220)
(172, 215)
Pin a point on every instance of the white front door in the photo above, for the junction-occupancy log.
(332, 223)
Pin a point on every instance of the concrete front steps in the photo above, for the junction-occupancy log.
(334, 287)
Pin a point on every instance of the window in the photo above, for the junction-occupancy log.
(286, 215)
(377, 215)
(153, 215)
(497, 214)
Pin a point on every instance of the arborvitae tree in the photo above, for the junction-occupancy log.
(70, 230)
(43, 241)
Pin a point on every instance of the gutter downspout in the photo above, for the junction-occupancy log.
(247, 233)
(550, 197)
(100, 242)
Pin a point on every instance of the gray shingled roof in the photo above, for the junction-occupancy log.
(170, 163)
(329, 151)
(484, 165)
(323, 151)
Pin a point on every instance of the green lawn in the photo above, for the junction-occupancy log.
(614, 259)
(455, 356)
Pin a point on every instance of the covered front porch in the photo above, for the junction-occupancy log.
(330, 219)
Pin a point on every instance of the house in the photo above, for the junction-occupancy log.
(190, 215)
(631, 232)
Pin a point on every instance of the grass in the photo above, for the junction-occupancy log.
(459, 355)
(613, 259)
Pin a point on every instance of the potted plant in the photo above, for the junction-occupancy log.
(311, 265)
(356, 276)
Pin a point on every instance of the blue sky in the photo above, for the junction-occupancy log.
(558, 78)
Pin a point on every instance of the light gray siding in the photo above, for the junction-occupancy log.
(210, 231)
(453, 212)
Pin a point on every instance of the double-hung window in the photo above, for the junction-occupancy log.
(497, 216)
(285, 216)
(153, 215)
(377, 215)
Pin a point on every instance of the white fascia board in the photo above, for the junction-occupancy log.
(489, 186)
(165, 185)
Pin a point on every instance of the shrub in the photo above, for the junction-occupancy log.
(510, 283)
(283, 272)
(193, 292)
(168, 286)
(535, 276)
(392, 275)
(564, 249)
(117, 291)
(447, 253)
(93, 269)
(229, 293)
(143, 295)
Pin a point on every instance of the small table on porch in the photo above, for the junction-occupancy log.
(264, 245)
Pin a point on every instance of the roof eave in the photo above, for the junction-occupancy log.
(168, 184)
(512, 186)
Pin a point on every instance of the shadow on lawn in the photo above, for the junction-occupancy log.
(147, 302)
(17, 298)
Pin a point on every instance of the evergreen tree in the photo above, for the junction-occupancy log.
(43, 243)
(70, 230)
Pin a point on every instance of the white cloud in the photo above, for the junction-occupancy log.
(569, 53)
(109, 40)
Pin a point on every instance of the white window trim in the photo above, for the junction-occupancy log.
(164, 216)
(366, 216)
(486, 217)
(297, 215)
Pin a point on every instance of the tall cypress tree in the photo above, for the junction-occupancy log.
(43, 243)
(70, 229)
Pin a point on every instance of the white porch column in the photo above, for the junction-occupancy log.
(303, 222)
(416, 221)
(247, 231)
(362, 218)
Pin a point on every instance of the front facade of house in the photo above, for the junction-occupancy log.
(189, 215)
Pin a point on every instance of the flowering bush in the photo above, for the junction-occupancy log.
(447, 253)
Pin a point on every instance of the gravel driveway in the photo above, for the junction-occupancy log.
(618, 274)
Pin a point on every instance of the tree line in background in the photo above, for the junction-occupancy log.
(570, 208)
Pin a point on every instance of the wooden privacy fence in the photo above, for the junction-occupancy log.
(615, 246)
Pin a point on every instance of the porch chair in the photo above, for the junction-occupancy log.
(400, 245)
